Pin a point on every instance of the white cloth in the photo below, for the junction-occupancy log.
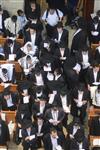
(39, 80)
(0, 21)
(54, 143)
(52, 19)
(95, 76)
(33, 37)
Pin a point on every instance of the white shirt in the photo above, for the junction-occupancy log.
(85, 57)
(75, 128)
(80, 96)
(80, 146)
(95, 76)
(96, 26)
(0, 21)
(62, 53)
(77, 32)
(64, 100)
(55, 115)
(39, 128)
(12, 49)
(39, 80)
(52, 19)
(57, 77)
(54, 143)
(33, 37)
(97, 98)
(42, 108)
(9, 102)
(59, 36)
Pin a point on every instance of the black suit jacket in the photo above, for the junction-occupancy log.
(64, 37)
(74, 145)
(97, 55)
(5, 15)
(5, 136)
(79, 40)
(16, 50)
(95, 127)
(48, 144)
(14, 101)
(38, 39)
(90, 77)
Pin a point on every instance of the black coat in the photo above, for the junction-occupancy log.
(64, 37)
(48, 144)
(5, 136)
(79, 40)
(90, 77)
(97, 55)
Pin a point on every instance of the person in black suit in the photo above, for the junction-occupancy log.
(79, 37)
(53, 139)
(85, 58)
(94, 30)
(61, 34)
(22, 114)
(4, 15)
(42, 129)
(97, 55)
(72, 129)
(32, 9)
(54, 116)
(95, 126)
(9, 100)
(93, 75)
(29, 135)
(79, 141)
(80, 98)
(4, 133)
(33, 36)
(12, 47)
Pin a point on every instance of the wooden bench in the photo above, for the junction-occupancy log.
(92, 138)
(3, 147)
(93, 113)
(13, 87)
(9, 116)
(3, 40)
(93, 47)
(18, 68)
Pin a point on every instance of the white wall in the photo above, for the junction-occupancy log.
(96, 5)
(12, 5)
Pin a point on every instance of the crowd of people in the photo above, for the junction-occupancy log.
(56, 83)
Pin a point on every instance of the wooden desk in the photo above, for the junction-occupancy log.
(9, 115)
(93, 113)
(18, 68)
(13, 87)
(3, 147)
(93, 47)
(3, 40)
(93, 138)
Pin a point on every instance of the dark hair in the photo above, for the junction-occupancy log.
(95, 64)
(19, 12)
(95, 19)
(60, 24)
(4, 70)
(28, 58)
(53, 130)
(9, 41)
(98, 13)
(6, 93)
(14, 18)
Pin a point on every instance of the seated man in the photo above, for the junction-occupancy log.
(4, 133)
(29, 135)
(12, 50)
(28, 63)
(12, 26)
(7, 73)
(9, 100)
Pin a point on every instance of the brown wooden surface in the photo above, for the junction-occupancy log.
(3, 147)
(93, 138)
(3, 40)
(18, 68)
(13, 87)
(93, 113)
(10, 116)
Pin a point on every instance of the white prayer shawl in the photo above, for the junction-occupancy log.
(32, 52)
(9, 68)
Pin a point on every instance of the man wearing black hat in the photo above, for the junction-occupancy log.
(54, 116)
(12, 48)
(80, 98)
(61, 34)
(53, 140)
(9, 100)
(33, 35)
(29, 135)
(79, 142)
(4, 133)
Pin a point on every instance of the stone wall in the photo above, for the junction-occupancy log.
(12, 5)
